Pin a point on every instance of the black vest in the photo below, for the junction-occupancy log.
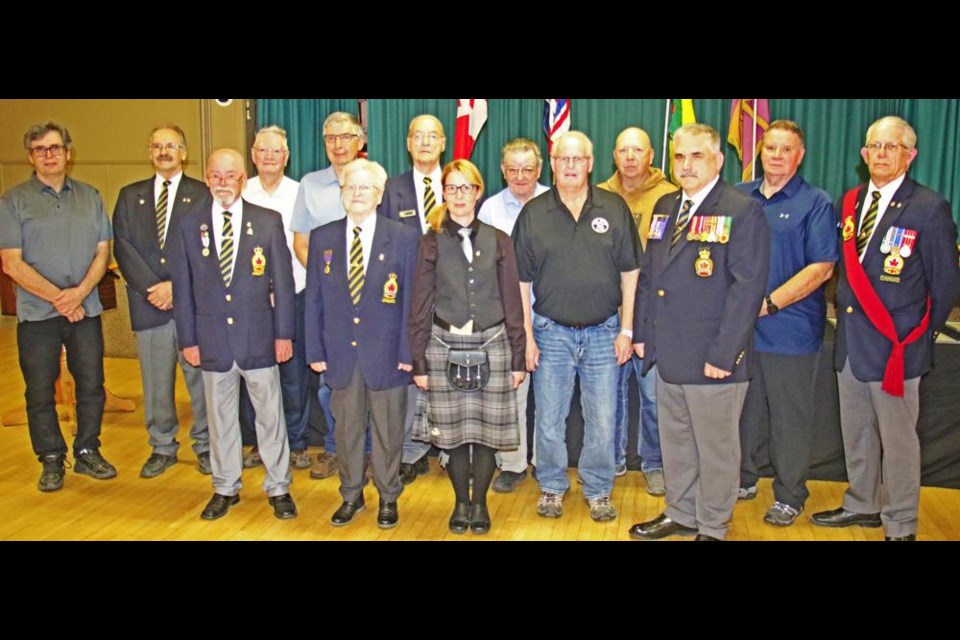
(468, 291)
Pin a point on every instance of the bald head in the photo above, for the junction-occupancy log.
(633, 154)
(226, 176)
(425, 142)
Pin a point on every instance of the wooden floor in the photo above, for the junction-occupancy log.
(168, 507)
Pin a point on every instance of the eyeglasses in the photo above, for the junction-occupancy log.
(577, 160)
(54, 149)
(889, 147)
(464, 189)
(344, 138)
(229, 178)
(364, 189)
(170, 146)
(264, 151)
(513, 172)
(431, 137)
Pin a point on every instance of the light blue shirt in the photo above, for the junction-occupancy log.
(502, 209)
(318, 201)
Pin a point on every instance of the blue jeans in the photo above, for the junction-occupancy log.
(648, 433)
(566, 352)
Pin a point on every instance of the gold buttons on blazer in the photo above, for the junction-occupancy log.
(849, 309)
(229, 297)
(229, 320)
(661, 292)
(163, 261)
(356, 321)
(353, 343)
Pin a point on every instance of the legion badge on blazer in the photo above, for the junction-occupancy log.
(658, 226)
(407, 213)
(893, 264)
(849, 228)
(704, 265)
(327, 259)
(259, 261)
(205, 240)
(390, 288)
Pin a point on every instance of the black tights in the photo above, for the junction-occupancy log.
(458, 468)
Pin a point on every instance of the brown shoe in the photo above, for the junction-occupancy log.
(300, 459)
(324, 466)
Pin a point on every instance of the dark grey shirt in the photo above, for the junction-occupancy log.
(58, 234)
(575, 265)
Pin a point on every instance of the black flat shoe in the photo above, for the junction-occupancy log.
(460, 520)
(479, 519)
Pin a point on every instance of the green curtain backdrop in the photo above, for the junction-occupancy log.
(834, 132)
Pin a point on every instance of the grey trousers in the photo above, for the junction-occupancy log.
(226, 449)
(700, 442)
(882, 451)
(386, 409)
(159, 354)
(778, 419)
(516, 460)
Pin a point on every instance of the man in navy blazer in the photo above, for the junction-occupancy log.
(359, 277)
(900, 236)
(234, 313)
(408, 198)
(146, 212)
(701, 283)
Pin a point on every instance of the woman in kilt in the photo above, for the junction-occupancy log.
(466, 296)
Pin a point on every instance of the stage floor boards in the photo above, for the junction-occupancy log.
(168, 507)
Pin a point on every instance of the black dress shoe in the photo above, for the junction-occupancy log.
(344, 515)
(388, 516)
(460, 520)
(283, 506)
(843, 518)
(910, 537)
(702, 537)
(659, 527)
(218, 506)
(479, 519)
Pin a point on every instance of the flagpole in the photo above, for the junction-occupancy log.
(753, 146)
(666, 132)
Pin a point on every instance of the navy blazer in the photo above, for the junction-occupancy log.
(372, 335)
(235, 323)
(931, 269)
(137, 248)
(686, 321)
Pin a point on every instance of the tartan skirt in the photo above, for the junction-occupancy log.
(448, 417)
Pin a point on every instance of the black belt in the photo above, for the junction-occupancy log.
(446, 326)
(581, 326)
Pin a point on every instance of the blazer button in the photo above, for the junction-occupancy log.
(229, 297)
(229, 320)
(353, 343)
(163, 261)
(661, 292)
(356, 321)
(849, 309)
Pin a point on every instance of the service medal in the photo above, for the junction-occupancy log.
(327, 259)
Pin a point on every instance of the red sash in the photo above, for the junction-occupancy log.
(870, 302)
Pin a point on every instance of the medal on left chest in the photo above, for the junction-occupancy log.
(899, 243)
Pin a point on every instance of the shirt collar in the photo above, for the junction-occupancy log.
(887, 191)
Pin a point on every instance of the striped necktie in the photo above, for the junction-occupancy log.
(869, 221)
(429, 198)
(682, 219)
(355, 276)
(226, 249)
(162, 213)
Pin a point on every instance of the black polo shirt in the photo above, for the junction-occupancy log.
(575, 265)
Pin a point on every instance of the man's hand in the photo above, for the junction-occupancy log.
(533, 354)
(623, 346)
(68, 300)
(518, 377)
(76, 315)
(284, 350)
(638, 349)
(421, 381)
(404, 367)
(713, 372)
(160, 295)
(319, 367)
(192, 355)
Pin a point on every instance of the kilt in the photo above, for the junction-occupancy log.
(448, 417)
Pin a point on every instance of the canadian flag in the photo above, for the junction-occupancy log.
(471, 116)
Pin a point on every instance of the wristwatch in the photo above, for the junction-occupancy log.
(771, 308)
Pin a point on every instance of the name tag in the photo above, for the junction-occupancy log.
(407, 213)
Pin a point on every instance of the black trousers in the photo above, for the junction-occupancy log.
(39, 344)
